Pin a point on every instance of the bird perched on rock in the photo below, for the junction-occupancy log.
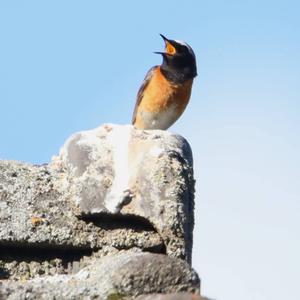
(166, 89)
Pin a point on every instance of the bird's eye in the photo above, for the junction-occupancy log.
(170, 49)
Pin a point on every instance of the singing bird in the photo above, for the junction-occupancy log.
(166, 89)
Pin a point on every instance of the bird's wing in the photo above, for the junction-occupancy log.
(141, 91)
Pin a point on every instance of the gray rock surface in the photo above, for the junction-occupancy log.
(36, 216)
(111, 217)
(124, 275)
(120, 170)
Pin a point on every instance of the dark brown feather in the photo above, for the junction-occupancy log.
(141, 91)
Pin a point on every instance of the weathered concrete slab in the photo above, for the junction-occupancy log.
(39, 233)
(111, 217)
(36, 210)
(121, 170)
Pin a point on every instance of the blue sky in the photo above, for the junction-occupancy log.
(72, 65)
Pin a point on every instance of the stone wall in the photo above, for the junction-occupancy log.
(110, 217)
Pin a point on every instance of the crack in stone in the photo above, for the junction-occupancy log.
(23, 260)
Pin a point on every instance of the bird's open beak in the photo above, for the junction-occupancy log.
(164, 38)
(169, 47)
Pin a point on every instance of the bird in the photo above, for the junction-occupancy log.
(166, 89)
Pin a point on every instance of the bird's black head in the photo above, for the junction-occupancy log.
(179, 61)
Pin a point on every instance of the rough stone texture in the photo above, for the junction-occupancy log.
(126, 275)
(121, 170)
(36, 216)
(111, 217)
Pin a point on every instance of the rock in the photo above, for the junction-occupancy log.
(111, 217)
(37, 220)
(119, 170)
(112, 277)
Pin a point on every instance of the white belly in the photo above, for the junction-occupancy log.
(161, 120)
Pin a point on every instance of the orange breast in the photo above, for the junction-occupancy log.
(161, 95)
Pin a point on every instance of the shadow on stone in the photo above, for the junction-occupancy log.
(116, 221)
(108, 221)
(26, 261)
